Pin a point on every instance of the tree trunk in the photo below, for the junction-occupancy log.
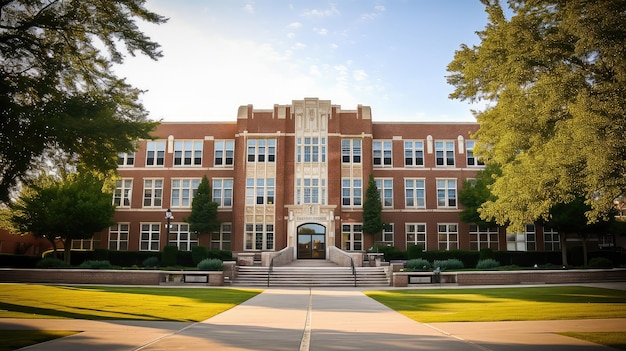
(563, 240)
(67, 244)
(54, 247)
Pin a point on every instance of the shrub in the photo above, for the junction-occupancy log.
(418, 264)
(91, 264)
(168, 257)
(600, 262)
(448, 264)
(389, 252)
(414, 251)
(211, 264)
(199, 253)
(151, 261)
(51, 262)
(487, 264)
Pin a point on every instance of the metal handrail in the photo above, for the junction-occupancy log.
(353, 270)
(269, 271)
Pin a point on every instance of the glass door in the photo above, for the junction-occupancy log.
(311, 241)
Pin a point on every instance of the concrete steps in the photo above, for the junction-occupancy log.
(318, 276)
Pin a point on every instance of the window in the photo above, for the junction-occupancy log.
(259, 237)
(86, 244)
(444, 153)
(224, 152)
(126, 159)
(181, 237)
(446, 193)
(183, 191)
(388, 234)
(483, 237)
(469, 151)
(312, 150)
(351, 190)
(414, 193)
(413, 153)
(385, 191)
(551, 240)
(261, 150)
(188, 153)
(352, 237)
(223, 191)
(152, 192)
(118, 237)
(123, 192)
(149, 239)
(155, 153)
(381, 149)
(351, 150)
(521, 241)
(259, 191)
(448, 237)
(221, 240)
(416, 234)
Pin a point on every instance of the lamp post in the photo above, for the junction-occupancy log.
(169, 217)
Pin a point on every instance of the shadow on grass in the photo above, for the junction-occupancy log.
(52, 312)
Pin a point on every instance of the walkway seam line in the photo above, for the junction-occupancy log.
(457, 337)
(305, 343)
(164, 337)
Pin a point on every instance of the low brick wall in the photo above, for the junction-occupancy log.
(401, 279)
(97, 276)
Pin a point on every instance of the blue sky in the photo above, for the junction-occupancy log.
(390, 55)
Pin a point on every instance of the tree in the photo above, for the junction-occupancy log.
(372, 208)
(58, 90)
(475, 193)
(553, 77)
(203, 217)
(75, 208)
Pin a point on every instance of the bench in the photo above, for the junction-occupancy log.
(424, 277)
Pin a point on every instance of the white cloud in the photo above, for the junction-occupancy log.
(291, 35)
(321, 31)
(298, 46)
(294, 25)
(249, 8)
(379, 8)
(359, 75)
(314, 71)
(331, 11)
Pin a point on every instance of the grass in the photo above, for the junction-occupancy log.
(616, 340)
(16, 339)
(101, 303)
(504, 304)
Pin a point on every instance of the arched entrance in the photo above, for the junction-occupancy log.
(311, 241)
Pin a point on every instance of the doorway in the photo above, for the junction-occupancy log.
(311, 241)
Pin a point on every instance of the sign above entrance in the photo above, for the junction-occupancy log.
(311, 218)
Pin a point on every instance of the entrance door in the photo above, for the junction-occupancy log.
(311, 241)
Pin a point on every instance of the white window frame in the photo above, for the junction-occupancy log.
(447, 236)
(447, 193)
(382, 152)
(471, 160)
(183, 192)
(351, 192)
(261, 150)
(414, 152)
(223, 191)
(224, 153)
(388, 234)
(260, 191)
(126, 159)
(118, 236)
(415, 195)
(155, 153)
(416, 234)
(259, 237)
(351, 151)
(385, 191)
(152, 192)
(221, 240)
(352, 236)
(187, 153)
(483, 237)
(149, 236)
(181, 237)
(444, 153)
(122, 196)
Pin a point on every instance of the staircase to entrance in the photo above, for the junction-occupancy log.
(311, 273)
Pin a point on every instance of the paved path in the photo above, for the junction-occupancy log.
(318, 320)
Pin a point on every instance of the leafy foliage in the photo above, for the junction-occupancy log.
(372, 208)
(475, 193)
(418, 264)
(51, 262)
(487, 263)
(451, 263)
(96, 264)
(58, 89)
(151, 261)
(552, 75)
(168, 256)
(203, 217)
(211, 264)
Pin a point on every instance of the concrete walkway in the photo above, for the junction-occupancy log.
(316, 319)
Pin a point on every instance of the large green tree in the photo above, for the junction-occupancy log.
(70, 209)
(203, 217)
(372, 208)
(475, 193)
(553, 75)
(57, 87)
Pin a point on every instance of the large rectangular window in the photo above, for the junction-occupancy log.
(181, 237)
(86, 244)
(483, 237)
(388, 234)
(118, 236)
(352, 237)
(446, 193)
(351, 150)
(471, 158)
(414, 193)
(223, 191)
(152, 192)
(311, 149)
(224, 153)
(126, 159)
(188, 153)
(382, 151)
(413, 153)
(385, 191)
(522, 241)
(149, 239)
(448, 237)
(261, 150)
(416, 234)
(444, 153)
(155, 153)
(352, 192)
(260, 191)
(259, 236)
(183, 191)
(551, 240)
(123, 192)
(221, 240)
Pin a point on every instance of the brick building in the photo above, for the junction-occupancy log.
(296, 175)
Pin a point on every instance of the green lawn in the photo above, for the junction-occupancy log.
(166, 304)
(616, 340)
(16, 339)
(504, 304)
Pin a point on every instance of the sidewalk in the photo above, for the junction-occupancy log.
(316, 319)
